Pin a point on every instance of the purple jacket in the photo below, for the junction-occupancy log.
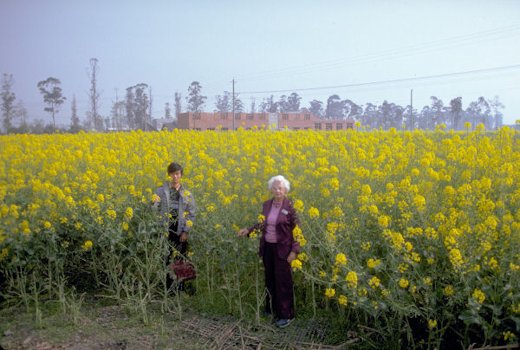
(286, 222)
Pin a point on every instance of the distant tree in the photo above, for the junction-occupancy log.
(268, 105)
(118, 113)
(456, 112)
(334, 109)
(410, 117)
(316, 108)
(437, 112)
(479, 112)
(93, 96)
(293, 102)
(167, 111)
(495, 105)
(283, 105)
(195, 99)
(390, 115)
(141, 104)
(20, 113)
(129, 107)
(239, 106)
(137, 105)
(177, 104)
(150, 104)
(8, 98)
(52, 96)
(369, 118)
(74, 119)
(424, 118)
(223, 103)
(351, 109)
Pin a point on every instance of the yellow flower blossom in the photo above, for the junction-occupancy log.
(330, 292)
(341, 259)
(404, 283)
(314, 213)
(87, 245)
(374, 282)
(352, 279)
(478, 295)
(299, 206)
(129, 213)
(373, 263)
(296, 264)
(432, 324)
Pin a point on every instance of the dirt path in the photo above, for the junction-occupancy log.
(111, 328)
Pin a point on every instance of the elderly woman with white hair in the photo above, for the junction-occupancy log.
(278, 249)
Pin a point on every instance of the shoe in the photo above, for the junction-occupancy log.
(284, 322)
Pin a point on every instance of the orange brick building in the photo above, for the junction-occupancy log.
(275, 121)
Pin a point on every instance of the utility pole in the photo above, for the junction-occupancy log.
(411, 109)
(233, 102)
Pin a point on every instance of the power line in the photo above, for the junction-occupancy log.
(463, 40)
(392, 81)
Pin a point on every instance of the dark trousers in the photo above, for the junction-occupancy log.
(279, 283)
(180, 247)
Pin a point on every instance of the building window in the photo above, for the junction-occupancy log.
(210, 129)
(196, 116)
(317, 126)
(262, 116)
(296, 128)
(328, 126)
(306, 117)
(250, 117)
(198, 129)
(285, 116)
(237, 116)
(339, 126)
(223, 115)
(225, 129)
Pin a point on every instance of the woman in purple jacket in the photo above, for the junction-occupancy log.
(278, 249)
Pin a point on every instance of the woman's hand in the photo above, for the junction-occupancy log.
(291, 257)
(242, 232)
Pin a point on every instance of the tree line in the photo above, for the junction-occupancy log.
(135, 110)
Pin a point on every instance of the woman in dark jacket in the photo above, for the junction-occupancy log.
(278, 249)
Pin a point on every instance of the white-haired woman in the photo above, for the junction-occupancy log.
(278, 249)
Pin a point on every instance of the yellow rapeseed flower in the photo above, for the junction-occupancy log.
(330, 292)
(478, 295)
(314, 213)
(296, 264)
(341, 259)
(373, 263)
(351, 279)
(404, 283)
(432, 324)
(374, 282)
(129, 213)
(87, 245)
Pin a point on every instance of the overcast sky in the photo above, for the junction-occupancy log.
(468, 48)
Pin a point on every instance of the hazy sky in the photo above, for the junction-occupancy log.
(266, 46)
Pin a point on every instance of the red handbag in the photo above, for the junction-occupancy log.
(183, 270)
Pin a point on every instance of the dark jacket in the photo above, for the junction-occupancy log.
(187, 207)
(286, 222)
